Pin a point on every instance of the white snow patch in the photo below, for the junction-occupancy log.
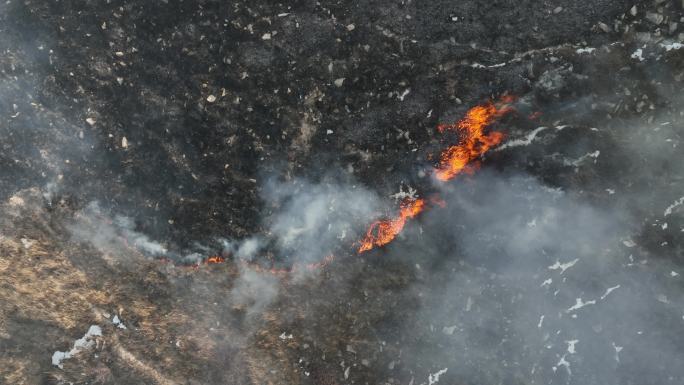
(585, 50)
(116, 321)
(571, 346)
(285, 336)
(610, 290)
(27, 243)
(562, 362)
(638, 54)
(673, 206)
(478, 65)
(579, 303)
(434, 378)
(526, 141)
(582, 158)
(80, 344)
(662, 298)
(670, 47)
(618, 349)
(563, 266)
(629, 243)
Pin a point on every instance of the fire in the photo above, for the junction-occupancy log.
(453, 161)
(474, 142)
(281, 272)
(215, 259)
(383, 232)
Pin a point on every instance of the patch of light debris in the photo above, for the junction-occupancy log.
(82, 343)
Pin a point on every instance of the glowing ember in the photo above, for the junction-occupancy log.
(294, 268)
(383, 232)
(215, 259)
(474, 142)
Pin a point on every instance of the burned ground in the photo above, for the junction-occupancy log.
(137, 137)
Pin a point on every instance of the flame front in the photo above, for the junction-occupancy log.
(383, 232)
(474, 141)
(454, 160)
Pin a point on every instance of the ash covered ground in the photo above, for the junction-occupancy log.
(138, 139)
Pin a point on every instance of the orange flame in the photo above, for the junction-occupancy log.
(453, 161)
(474, 142)
(383, 232)
(215, 259)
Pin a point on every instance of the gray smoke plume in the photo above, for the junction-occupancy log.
(569, 274)
(111, 233)
(528, 282)
(315, 220)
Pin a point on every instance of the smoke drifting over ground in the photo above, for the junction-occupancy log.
(529, 282)
(315, 220)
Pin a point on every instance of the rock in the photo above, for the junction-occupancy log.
(339, 82)
(655, 18)
(672, 28)
(605, 27)
(211, 98)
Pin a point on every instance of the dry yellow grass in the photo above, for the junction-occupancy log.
(182, 326)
